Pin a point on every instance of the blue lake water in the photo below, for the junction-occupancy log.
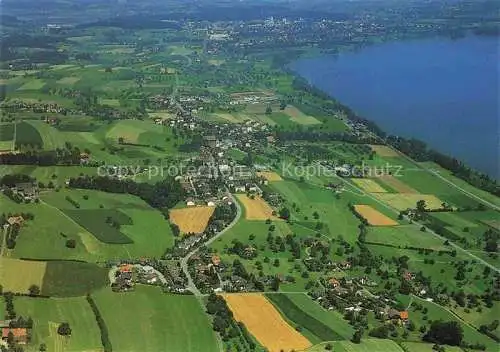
(444, 92)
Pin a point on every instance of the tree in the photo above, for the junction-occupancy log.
(382, 332)
(71, 243)
(285, 213)
(175, 229)
(356, 338)
(269, 110)
(421, 206)
(34, 290)
(275, 284)
(445, 333)
(64, 329)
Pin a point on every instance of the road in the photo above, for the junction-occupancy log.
(191, 286)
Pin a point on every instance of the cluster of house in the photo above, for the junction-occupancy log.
(38, 107)
(127, 275)
(18, 336)
(242, 99)
(25, 191)
(123, 278)
(207, 269)
(345, 285)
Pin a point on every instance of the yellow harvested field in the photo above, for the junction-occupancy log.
(299, 117)
(265, 323)
(396, 184)
(270, 175)
(368, 185)
(382, 150)
(255, 209)
(403, 201)
(374, 217)
(191, 220)
(18, 275)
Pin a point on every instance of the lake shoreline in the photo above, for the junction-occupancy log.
(471, 141)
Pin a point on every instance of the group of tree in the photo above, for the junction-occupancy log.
(106, 342)
(419, 151)
(224, 323)
(162, 195)
(445, 333)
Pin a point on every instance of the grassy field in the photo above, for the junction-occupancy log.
(471, 335)
(332, 319)
(45, 237)
(316, 324)
(426, 347)
(18, 275)
(40, 238)
(71, 279)
(58, 175)
(34, 84)
(145, 230)
(299, 117)
(425, 182)
(47, 314)
(27, 134)
(6, 132)
(104, 224)
(70, 80)
(333, 213)
(404, 236)
(366, 345)
(51, 137)
(462, 184)
(165, 322)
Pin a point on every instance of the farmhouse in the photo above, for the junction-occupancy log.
(18, 220)
(20, 335)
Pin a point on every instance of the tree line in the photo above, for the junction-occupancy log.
(162, 195)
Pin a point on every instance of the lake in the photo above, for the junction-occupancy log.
(442, 91)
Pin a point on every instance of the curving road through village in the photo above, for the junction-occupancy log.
(184, 261)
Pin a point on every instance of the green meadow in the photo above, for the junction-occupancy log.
(165, 321)
(47, 314)
(314, 322)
